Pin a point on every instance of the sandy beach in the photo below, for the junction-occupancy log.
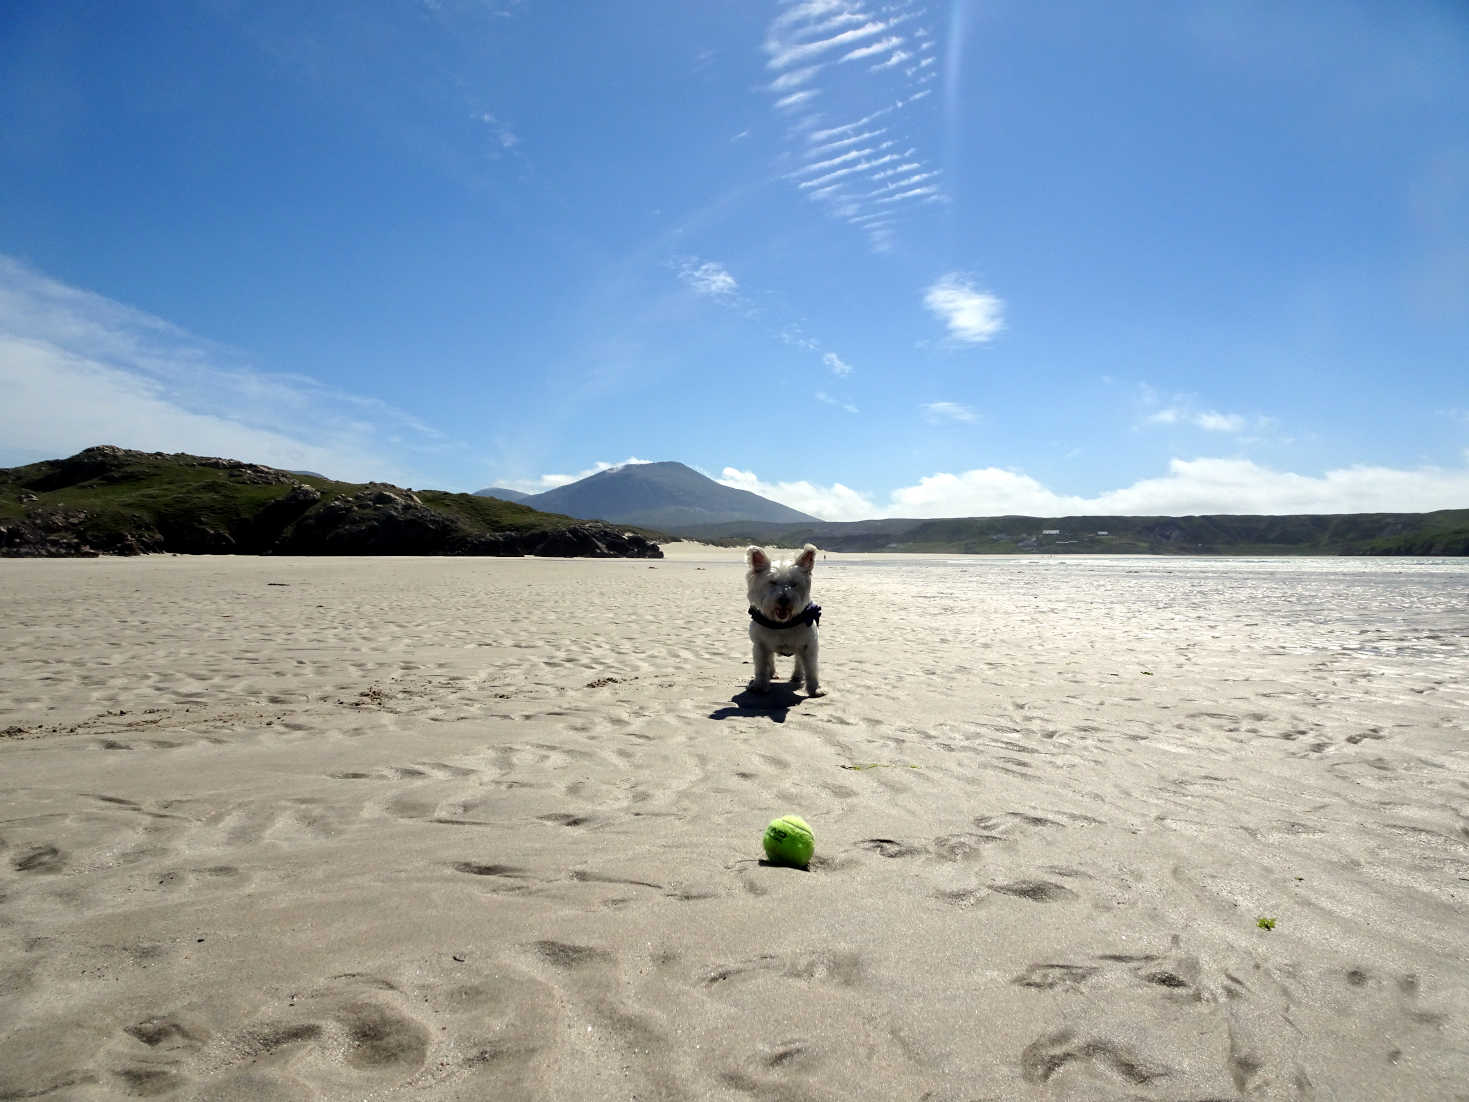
(490, 829)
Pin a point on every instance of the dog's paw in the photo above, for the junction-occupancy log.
(813, 690)
(759, 686)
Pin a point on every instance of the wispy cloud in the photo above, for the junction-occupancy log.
(948, 411)
(504, 137)
(784, 51)
(707, 277)
(712, 280)
(836, 363)
(77, 369)
(972, 316)
(795, 99)
(794, 79)
(818, 47)
(545, 482)
(823, 396)
(1220, 422)
(875, 48)
(893, 62)
(1181, 410)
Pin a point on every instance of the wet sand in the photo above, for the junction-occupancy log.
(289, 828)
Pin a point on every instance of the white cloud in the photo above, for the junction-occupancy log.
(506, 137)
(896, 170)
(841, 173)
(972, 316)
(807, 43)
(1208, 420)
(707, 277)
(948, 411)
(881, 46)
(784, 53)
(832, 162)
(832, 13)
(823, 396)
(552, 481)
(895, 185)
(78, 369)
(1190, 487)
(794, 79)
(1242, 486)
(795, 99)
(893, 62)
(921, 192)
(842, 143)
(793, 335)
(837, 364)
(835, 502)
(1220, 422)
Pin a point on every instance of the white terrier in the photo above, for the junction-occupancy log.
(782, 618)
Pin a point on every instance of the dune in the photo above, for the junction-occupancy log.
(277, 828)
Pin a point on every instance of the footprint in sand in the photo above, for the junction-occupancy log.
(837, 968)
(368, 1043)
(39, 859)
(891, 847)
(1033, 891)
(154, 1058)
(1048, 1056)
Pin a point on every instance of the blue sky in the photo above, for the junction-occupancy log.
(866, 258)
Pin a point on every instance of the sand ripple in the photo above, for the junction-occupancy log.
(280, 829)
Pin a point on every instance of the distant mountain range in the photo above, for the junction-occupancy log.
(502, 493)
(1445, 532)
(673, 498)
(666, 496)
(108, 500)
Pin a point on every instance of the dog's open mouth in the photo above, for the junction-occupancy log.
(782, 612)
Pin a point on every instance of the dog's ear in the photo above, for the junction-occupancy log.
(757, 558)
(806, 560)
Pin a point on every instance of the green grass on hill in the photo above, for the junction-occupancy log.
(189, 500)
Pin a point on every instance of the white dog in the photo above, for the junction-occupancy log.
(782, 618)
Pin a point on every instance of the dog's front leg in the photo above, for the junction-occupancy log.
(806, 661)
(799, 673)
(764, 667)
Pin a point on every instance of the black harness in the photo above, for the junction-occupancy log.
(811, 614)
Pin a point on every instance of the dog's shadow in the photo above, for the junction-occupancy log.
(773, 703)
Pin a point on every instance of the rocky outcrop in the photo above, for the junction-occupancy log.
(596, 541)
(385, 520)
(76, 507)
(377, 520)
(62, 532)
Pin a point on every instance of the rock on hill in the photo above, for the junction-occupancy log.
(669, 496)
(108, 500)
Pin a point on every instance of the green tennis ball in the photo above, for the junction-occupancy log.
(788, 841)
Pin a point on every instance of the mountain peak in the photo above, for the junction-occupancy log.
(666, 494)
